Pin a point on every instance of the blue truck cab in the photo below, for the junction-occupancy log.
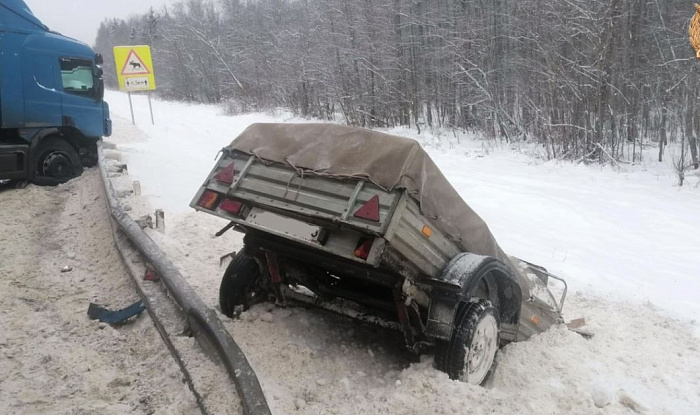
(52, 111)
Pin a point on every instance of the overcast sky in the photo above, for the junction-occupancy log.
(81, 18)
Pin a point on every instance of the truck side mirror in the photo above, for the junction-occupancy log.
(99, 60)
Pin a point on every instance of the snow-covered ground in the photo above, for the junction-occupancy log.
(626, 241)
(630, 234)
(53, 358)
(169, 158)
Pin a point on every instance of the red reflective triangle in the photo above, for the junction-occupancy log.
(226, 174)
(369, 210)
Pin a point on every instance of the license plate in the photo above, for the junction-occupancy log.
(283, 225)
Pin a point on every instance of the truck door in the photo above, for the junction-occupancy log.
(42, 102)
(82, 105)
(11, 91)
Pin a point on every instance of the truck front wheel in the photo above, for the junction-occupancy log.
(56, 161)
(242, 284)
(469, 355)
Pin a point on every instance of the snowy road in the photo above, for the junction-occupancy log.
(626, 241)
(53, 358)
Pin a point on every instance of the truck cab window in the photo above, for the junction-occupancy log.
(77, 76)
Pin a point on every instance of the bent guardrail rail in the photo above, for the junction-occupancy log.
(201, 318)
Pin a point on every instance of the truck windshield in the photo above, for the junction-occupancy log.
(77, 76)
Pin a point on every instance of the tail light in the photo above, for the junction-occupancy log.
(231, 206)
(208, 200)
(363, 248)
(226, 174)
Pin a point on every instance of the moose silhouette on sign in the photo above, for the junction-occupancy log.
(135, 65)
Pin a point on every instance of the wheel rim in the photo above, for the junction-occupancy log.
(481, 352)
(57, 165)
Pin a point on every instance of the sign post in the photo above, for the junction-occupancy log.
(131, 108)
(135, 72)
(150, 107)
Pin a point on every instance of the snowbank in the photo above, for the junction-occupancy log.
(309, 361)
(632, 234)
(626, 242)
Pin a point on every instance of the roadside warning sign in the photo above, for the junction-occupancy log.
(134, 68)
(134, 65)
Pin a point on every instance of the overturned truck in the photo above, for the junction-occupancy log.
(365, 224)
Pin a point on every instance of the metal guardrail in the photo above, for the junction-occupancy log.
(201, 318)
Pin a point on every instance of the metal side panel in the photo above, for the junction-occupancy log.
(429, 253)
(307, 200)
(536, 316)
(387, 206)
(282, 188)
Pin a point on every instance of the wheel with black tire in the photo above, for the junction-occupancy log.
(56, 161)
(470, 354)
(242, 284)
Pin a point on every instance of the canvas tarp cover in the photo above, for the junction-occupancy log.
(389, 161)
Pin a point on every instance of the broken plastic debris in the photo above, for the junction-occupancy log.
(576, 323)
(97, 312)
(150, 275)
(67, 268)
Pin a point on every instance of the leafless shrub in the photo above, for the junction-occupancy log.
(680, 164)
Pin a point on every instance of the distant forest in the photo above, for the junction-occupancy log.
(589, 80)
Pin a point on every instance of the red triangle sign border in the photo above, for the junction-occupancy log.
(146, 71)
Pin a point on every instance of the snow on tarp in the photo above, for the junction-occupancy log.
(389, 161)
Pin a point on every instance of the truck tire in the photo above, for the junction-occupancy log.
(56, 161)
(241, 284)
(470, 354)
